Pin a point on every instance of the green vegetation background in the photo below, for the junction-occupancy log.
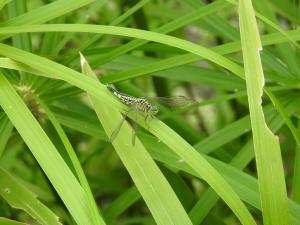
(229, 157)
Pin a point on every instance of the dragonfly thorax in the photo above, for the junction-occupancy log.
(144, 106)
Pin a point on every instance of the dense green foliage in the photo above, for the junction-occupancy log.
(227, 153)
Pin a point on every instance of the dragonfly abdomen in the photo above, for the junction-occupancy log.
(128, 100)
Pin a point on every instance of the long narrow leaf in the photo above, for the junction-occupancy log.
(158, 195)
(267, 150)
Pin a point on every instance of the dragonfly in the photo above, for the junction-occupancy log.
(144, 105)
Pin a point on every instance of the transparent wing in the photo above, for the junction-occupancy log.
(172, 101)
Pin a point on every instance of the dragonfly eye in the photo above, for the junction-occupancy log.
(154, 109)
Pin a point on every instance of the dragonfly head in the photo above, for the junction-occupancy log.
(153, 110)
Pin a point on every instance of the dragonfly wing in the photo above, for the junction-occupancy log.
(173, 101)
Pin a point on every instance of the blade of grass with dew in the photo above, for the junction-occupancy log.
(97, 219)
(21, 198)
(267, 150)
(45, 153)
(157, 193)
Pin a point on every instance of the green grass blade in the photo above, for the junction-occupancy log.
(240, 160)
(141, 34)
(157, 193)
(267, 150)
(183, 59)
(76, 164)
(280, 108)
(45, 153)
(4, 221)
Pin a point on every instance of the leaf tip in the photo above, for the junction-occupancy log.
(82, 59)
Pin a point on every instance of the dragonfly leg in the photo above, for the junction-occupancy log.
(134, 125)
(146, 117)
(117, 129)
